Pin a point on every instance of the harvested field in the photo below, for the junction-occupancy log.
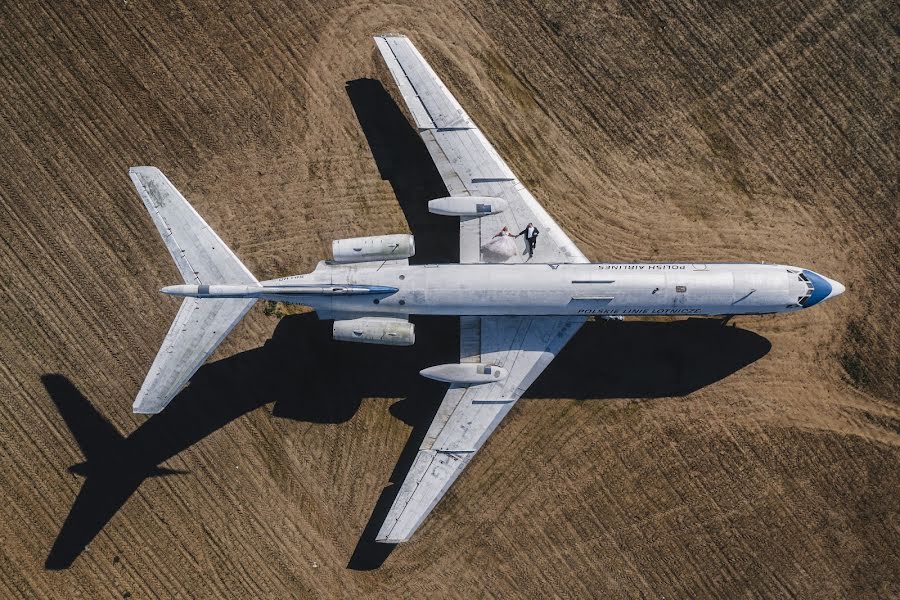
(675, 459)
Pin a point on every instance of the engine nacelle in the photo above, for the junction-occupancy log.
(376, 247)
(375, 330)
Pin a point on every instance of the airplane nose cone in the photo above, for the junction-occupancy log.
(837, 288)
(823, 288)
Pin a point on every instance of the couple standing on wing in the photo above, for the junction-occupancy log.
(502, 247)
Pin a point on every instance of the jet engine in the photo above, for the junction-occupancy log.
(375, 330)
(376, 247)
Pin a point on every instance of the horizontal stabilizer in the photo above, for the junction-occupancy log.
(200, 255)
(219, 289)
(198, 329)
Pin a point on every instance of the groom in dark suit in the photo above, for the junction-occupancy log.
(530, 232)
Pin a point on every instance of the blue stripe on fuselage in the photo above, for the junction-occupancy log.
(821, 288)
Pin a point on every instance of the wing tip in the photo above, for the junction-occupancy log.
(393, 541)
(387, 35)
(140, 174)
(141, 408)
(142, 170)
(387, 535)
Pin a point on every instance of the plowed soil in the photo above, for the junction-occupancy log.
(652, 459)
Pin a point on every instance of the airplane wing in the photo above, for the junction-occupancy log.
(468, 415)
(524, 346)
(467, 162)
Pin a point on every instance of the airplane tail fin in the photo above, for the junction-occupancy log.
(203, 259)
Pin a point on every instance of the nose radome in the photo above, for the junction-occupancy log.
(823, 288)
(837, 288)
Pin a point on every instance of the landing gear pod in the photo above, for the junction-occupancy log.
(467, 206)
(465, 373)
(376, 247)
(375, 330)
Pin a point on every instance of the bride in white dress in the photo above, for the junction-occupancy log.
(501, 247)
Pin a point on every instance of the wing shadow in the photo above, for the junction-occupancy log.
(605, 360)
(402, 159)
(314, 379)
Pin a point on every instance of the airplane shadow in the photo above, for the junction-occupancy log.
(403, 160)
(311, 378)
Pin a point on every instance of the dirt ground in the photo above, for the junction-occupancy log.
(652, 459)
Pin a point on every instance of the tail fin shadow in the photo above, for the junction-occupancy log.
(111, 476)
(96, 436)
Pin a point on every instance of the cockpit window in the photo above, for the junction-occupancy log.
(802, 300)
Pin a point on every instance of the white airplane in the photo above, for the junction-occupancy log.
(515, 315)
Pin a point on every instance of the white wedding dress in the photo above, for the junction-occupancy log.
(499, 249)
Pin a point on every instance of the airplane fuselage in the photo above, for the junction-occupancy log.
(605, 289)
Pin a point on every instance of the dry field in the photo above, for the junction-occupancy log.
(653, 459)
